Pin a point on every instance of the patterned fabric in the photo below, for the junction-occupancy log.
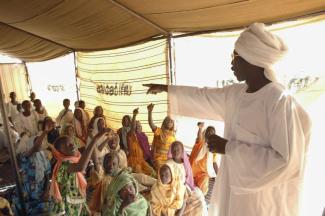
(160, 145)
(136, 158)
(100, 190)
(73, 203)
(32, 189)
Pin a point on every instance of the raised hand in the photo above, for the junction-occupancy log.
(136, 111)
(200, 125)
(150, 107)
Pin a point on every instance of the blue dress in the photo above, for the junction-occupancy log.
(33, 183)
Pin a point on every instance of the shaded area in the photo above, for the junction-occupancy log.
(7, 180)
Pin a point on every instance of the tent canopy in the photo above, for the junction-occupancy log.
(39, 30)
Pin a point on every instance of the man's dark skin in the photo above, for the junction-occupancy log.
(244, 71)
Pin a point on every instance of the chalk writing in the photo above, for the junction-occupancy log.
(116, 89)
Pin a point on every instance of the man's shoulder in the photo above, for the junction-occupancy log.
(235, 88)
(278, 90)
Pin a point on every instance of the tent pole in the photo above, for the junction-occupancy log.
(12, 151)
(76, 74)
(171, 60)
(28, 79)
(134, 13)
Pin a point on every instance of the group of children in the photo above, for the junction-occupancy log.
(96, 171)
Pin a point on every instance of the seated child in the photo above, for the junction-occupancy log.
(195, 203)
(168, 194)
(121, 196)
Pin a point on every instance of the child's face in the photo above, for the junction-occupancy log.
(69, 148)
(177, 151)
(114, 141)
(138, 127)
(127, 193)
(165, 175)
(70, 131)
(37, 104)
(26, 106)
(126, 121)
(98, 111)
(168, 123)
(210, 131)
(111, 166)
(78, 114)
(66, 104)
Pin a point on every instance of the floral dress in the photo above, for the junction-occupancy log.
(32, 189)
(73, 203)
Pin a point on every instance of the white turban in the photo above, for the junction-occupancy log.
(261, 48)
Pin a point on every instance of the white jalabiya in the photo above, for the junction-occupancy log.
(12, 111)
(268, 133)
(261, 48)
(64, 117)
(27, 124)
(79, 125)
(40, 117)
(100, 140)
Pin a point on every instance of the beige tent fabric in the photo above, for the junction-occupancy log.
(39, 30)
(13, 78)
(28, 47)
(203, 15)
(113, 79)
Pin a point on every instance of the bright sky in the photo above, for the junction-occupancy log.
(202, 61)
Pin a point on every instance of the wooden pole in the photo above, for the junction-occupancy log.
(12, 152)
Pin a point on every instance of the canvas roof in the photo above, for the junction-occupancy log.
(38, 30)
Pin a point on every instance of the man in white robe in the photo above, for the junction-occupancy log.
(66, 115)
(266, 131)
(12, 110)
(26, 122)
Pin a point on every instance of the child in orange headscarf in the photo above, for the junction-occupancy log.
(204, 164)
(139, 149)
(68, 186)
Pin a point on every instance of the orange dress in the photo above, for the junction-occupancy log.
(199, 168)
(160, 145)
(136, 159)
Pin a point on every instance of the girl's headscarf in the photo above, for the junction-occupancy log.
(204, 149)
(80, 127)
(187, 166)
(80, 179)
(144, 143)
(168, 198)
(95, 126)
(120, 181)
